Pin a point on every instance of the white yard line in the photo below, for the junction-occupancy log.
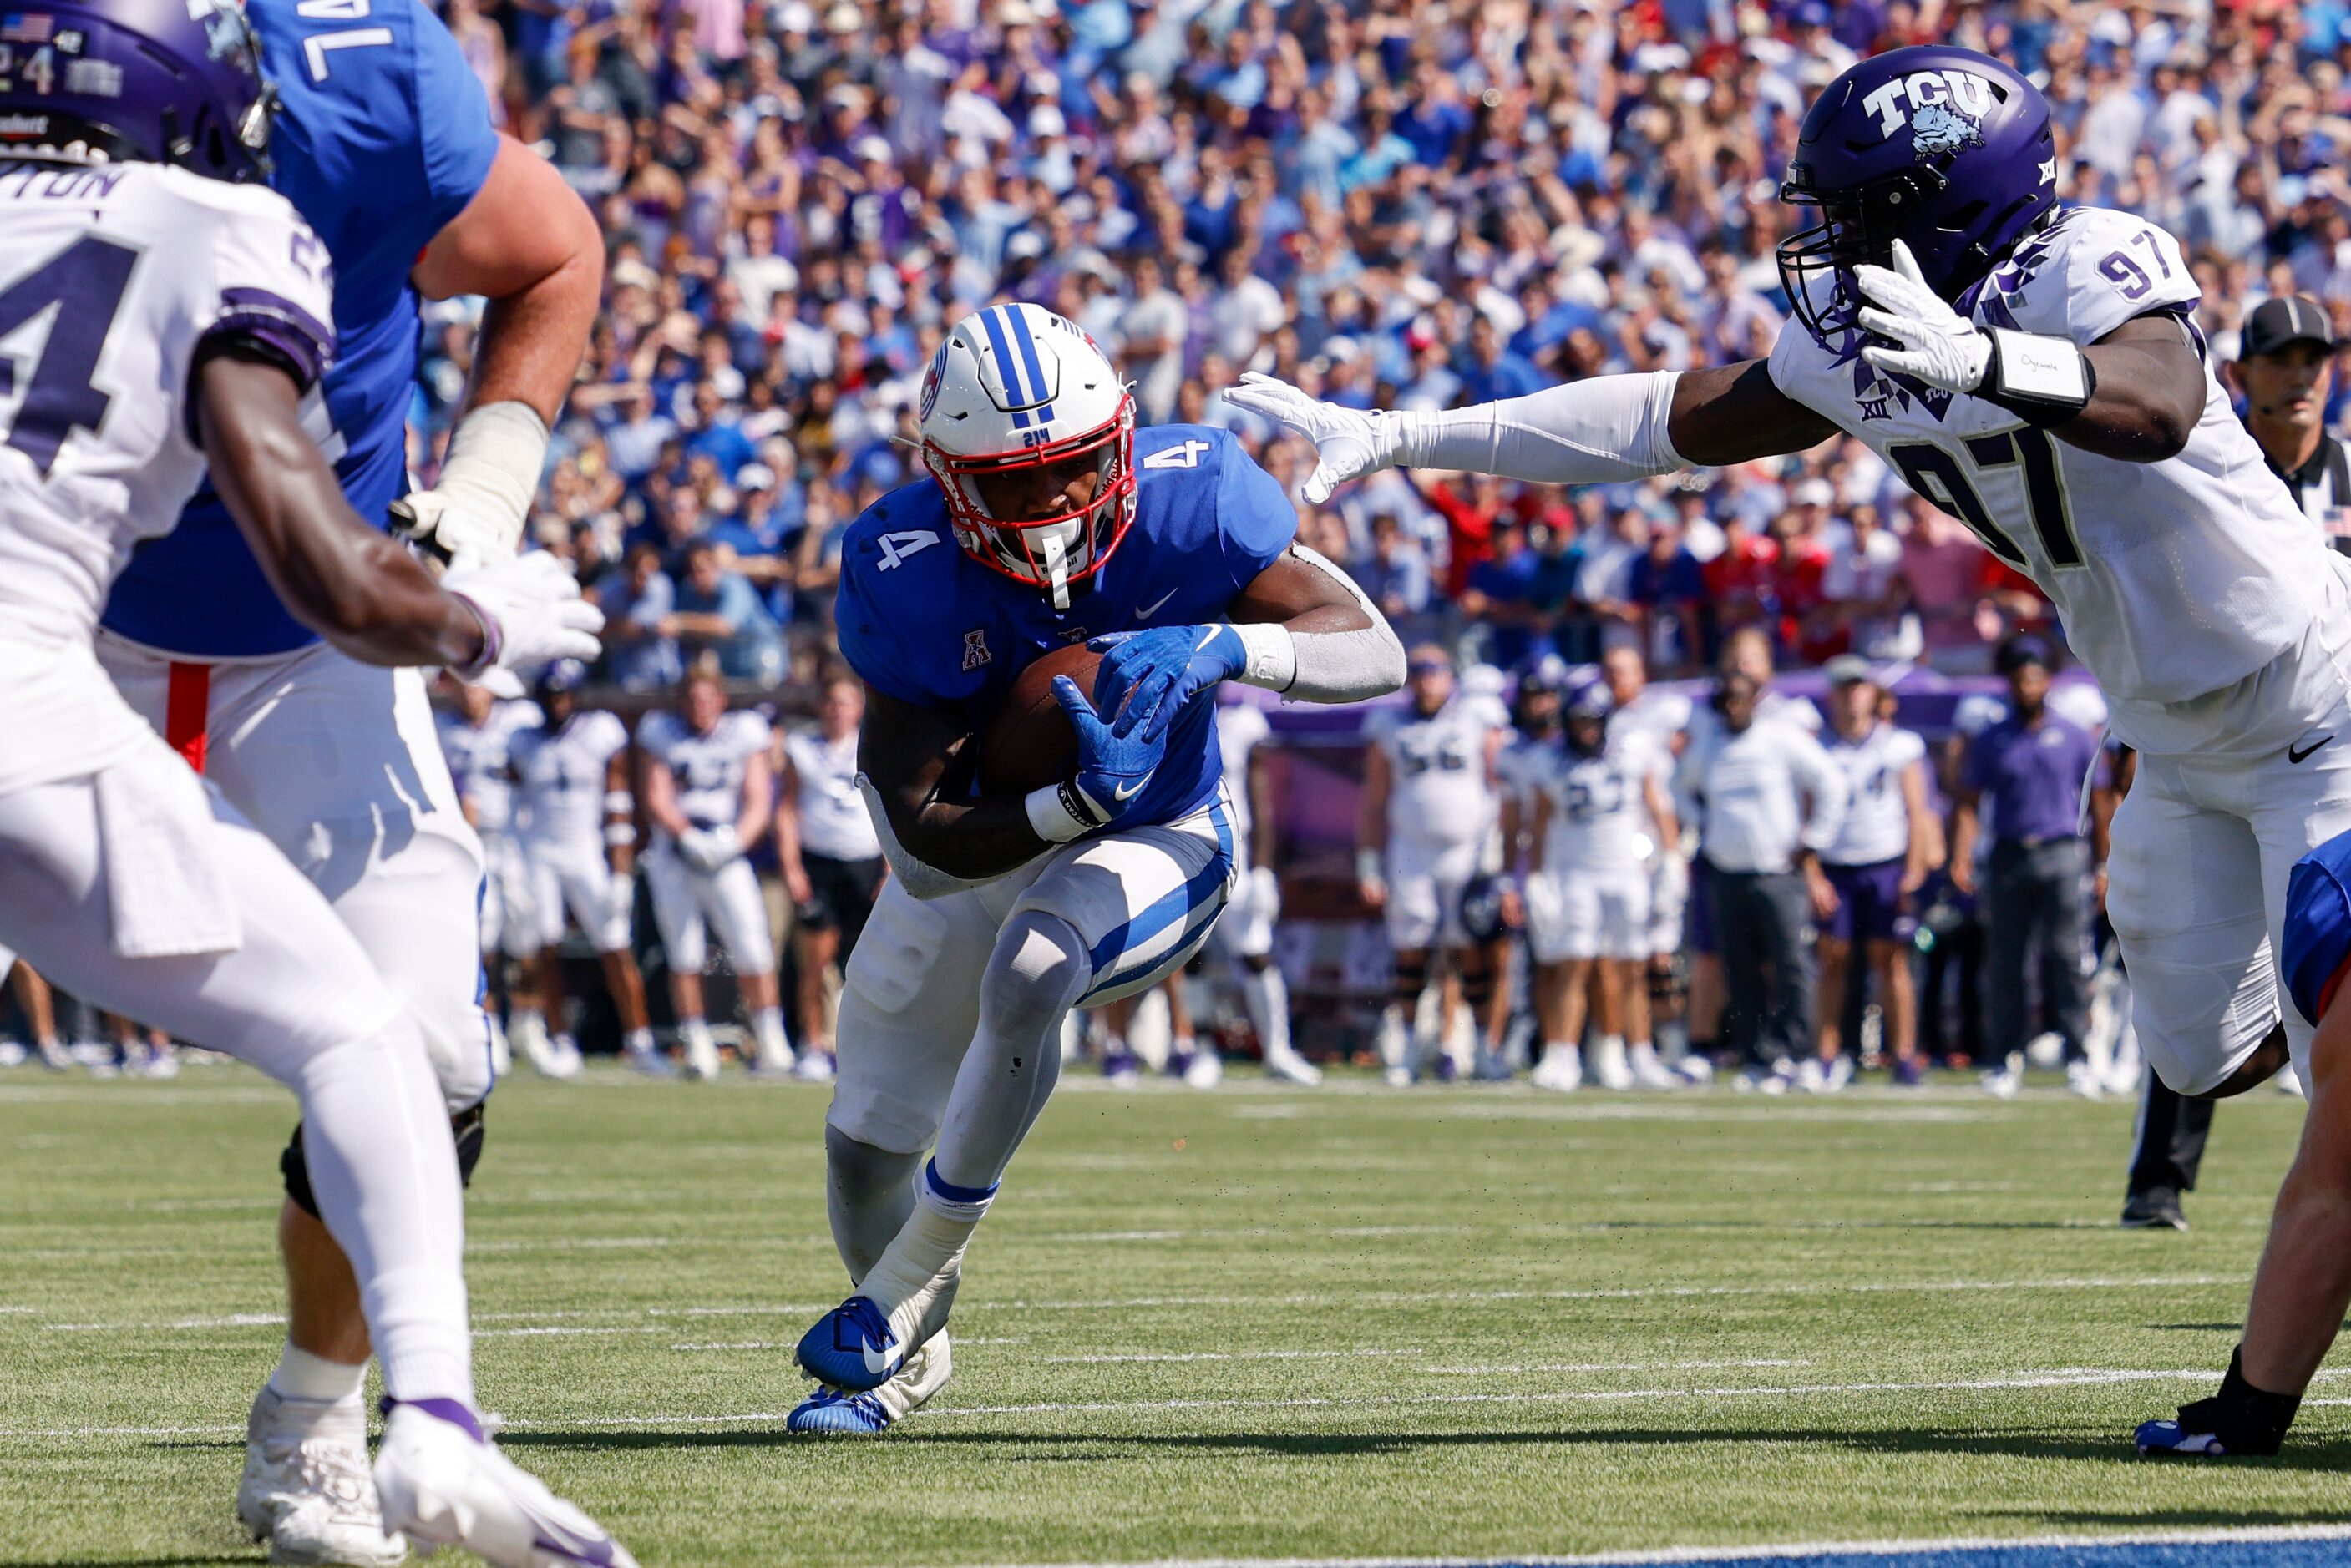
(2061, 1378)
(2248, 1536)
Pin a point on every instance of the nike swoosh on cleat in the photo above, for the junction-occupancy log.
(2293, 755)
(876, 1363)
(1147, 611)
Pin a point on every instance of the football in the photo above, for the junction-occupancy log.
(1028, 743)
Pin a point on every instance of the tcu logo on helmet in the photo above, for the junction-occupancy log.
(1944, 108)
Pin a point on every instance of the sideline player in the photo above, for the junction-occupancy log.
(2303, 1284)
(1597, 794)
(1047, 519)
(124, 876)
(832, 861)
(1658, 1009)
(1887, 844)
(474, 739)
(1429, 805)
(577, 839)
(383, 144)
(1244, 933)
(710, 796)
(2037, 373)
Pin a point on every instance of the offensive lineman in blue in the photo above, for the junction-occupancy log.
(1048, 520)
(384, 143)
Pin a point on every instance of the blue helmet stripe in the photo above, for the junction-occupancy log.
(1020, 335)
(989, 318)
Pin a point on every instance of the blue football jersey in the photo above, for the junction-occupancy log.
(384, 137)
(926, 624)
(2318, 925)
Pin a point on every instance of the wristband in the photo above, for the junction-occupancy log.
(2042, 379)
(620, 834)
(1370, 866)
(494, 642)
(2247, 1420)
(1271, 654)
(495, 457)
(620, 802)
(1057, 814)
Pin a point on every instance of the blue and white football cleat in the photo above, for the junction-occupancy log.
(852, 1347)
(839, 1412)
(835, 1412)
(2170, 1441)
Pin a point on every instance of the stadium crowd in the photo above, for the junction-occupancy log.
(1389, 203)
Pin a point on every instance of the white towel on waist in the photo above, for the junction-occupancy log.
(165, 886)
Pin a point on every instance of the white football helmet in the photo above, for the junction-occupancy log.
(1016, 386)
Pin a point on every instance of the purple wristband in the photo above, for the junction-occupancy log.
(494, 641)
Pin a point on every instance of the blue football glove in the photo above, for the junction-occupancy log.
(1154, 673)
(1114, 763)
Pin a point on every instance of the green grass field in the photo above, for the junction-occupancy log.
(1345, 1323)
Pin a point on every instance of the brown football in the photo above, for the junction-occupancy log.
(1028, 742)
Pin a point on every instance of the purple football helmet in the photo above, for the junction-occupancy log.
(158, 81)
(1943, 148)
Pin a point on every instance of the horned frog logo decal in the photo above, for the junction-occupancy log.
(1938, 130)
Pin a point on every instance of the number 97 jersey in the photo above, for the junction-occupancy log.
(2173, 578)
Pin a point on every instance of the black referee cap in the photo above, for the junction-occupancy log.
(2285, 319)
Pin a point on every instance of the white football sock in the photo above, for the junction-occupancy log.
(1266, 999)
(1395, 1037)
(302, 1376)
(640, 1041)
(696, 1034)
(376, 1138)
(926, 1258)
(767, 1026)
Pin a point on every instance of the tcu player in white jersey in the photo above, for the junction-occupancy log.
(2037, 373)
(576, 830)
(828, 853)
(474, 739)
(1661, 718)
(1244, 933)
(1599, 802)
(1887, 844)
(125, 877)
(1429, 808)
(710, 795)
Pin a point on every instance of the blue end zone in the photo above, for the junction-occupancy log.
(2317, 1546)
(2135, 1554)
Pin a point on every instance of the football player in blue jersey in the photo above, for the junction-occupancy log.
(384, 143)
(2303, 1284)
(1047, 520)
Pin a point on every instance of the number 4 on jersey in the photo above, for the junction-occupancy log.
(84, 282)
(897, 547)
(1183, 455)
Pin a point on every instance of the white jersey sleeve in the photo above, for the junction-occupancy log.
(2103, 268)
(600, 737)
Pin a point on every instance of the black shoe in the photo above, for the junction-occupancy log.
(2157, 1208)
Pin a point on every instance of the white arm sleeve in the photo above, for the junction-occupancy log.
(922, 879)
(1601, 430)
(1325, 666)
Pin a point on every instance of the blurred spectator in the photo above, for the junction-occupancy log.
(638, 599)
(2028, 770)
(718, 610)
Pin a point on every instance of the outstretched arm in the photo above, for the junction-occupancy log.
(1600, 430)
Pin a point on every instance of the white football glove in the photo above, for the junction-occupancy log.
(1932, 342)
(1348, 442)
(477, 514)
(531, 611)
(708, 848)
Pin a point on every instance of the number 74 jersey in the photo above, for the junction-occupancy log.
(112, 277)
(2174, 578)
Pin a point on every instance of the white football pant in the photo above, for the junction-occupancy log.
(686, 902)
